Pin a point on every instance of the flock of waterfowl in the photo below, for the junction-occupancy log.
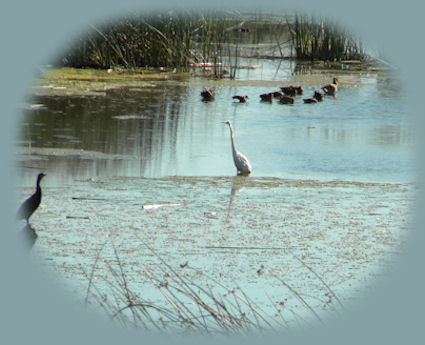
(243, 167)
(286, 95)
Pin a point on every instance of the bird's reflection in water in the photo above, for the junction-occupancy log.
(238, 184)
(28, 236)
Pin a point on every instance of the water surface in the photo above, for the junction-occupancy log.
(363, 135)
(332, 184)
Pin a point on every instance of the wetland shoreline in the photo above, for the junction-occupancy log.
(140, 187)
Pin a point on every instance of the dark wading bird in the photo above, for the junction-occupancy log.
(331, 89)
(31, 204)
(241, 99)
(208, 95)
(242, 164)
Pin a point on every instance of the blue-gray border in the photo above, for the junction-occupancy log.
(32, 32)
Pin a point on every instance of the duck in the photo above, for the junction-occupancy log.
(289, 90)
(208, 94)
(317, 97)
(267, 97)
(299, 90)
(292, 90)
(310, 100)
(277, 94)
(331, 89)
(241, 99)
(29, 206)
(286, 100)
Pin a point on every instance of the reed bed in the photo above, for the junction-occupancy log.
(213, 41)
(319, 39)
(171, 40)
(188, 307)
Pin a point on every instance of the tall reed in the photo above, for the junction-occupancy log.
(172, 40)
(190, 307)
(177, 40)
(317, 39)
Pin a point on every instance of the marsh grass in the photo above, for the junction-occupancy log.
(213, 41)
(188, 307)
(315, 38)
(169, 40)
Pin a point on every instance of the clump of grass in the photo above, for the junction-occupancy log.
(319, 39)
(187, 307)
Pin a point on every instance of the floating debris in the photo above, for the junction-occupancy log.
(132, 117)
(156, 206)
(77, 217)
(211, 214)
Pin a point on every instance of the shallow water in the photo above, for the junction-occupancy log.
(331, 184)
(363, 135)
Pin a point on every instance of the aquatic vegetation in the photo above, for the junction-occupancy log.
(319, 39)
(118, 142)
(211, 41)
(187, 306)
(170, 40)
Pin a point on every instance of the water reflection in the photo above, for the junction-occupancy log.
(238, 184)
(167, 130)
(28, 236)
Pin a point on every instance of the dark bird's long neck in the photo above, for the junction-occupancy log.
(38, 190)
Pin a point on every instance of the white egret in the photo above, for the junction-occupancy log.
(242, 164)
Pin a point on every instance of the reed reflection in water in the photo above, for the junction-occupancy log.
(364, 135)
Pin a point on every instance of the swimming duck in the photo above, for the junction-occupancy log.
(289, 90)
(292, 90)
(310, 100)
(331, 89)
(267, 97)
(317, 97)
(298, 90)
(277, 94)
(208, 94)
(241, 99)
(286, 100)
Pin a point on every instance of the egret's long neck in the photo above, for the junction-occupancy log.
(232, 138)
